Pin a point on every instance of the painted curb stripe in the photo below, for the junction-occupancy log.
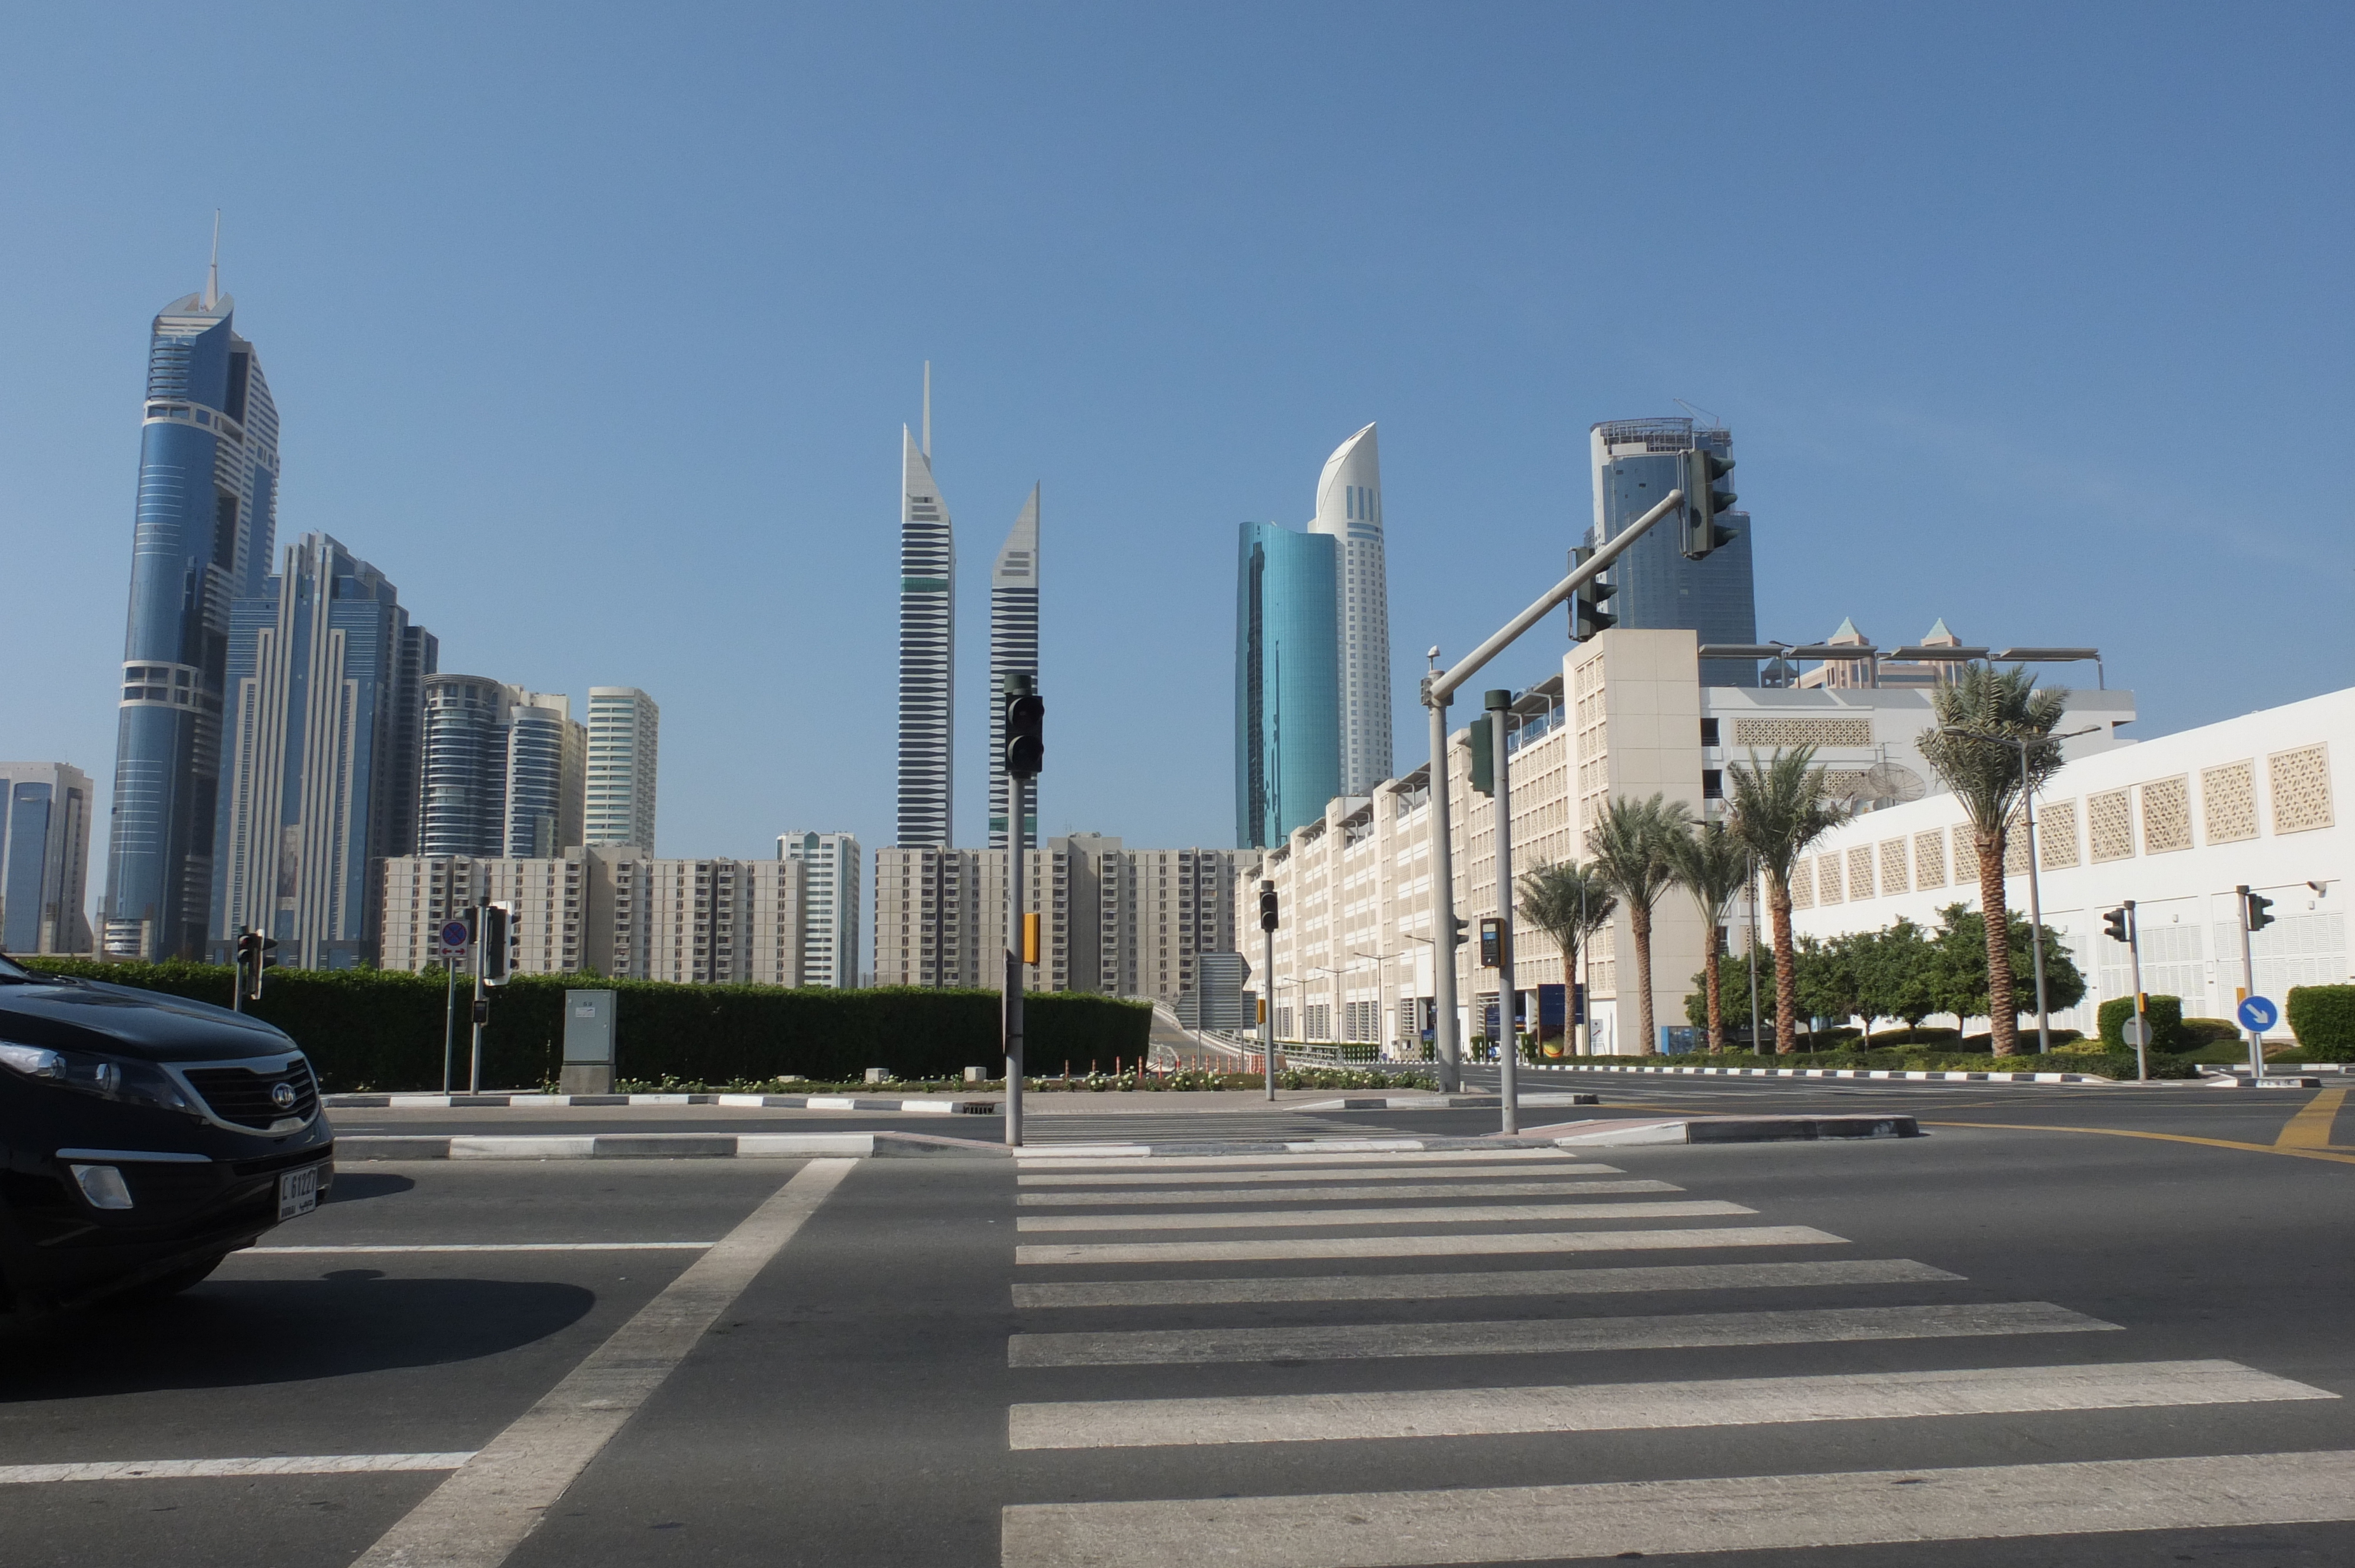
(182, 1470)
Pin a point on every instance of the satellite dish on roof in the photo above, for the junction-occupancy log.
(1893, 782)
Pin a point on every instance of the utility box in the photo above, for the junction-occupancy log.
(588, 1043)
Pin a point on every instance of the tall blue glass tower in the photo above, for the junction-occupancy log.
(1288, 682)
(202, 536)
(1638, 461)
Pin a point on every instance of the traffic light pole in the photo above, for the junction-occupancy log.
(449, 1020)
(482, 931)
(1267, 1024)
(1437, 689)
(1508, 1047)
(2249, 988)
(2142, 1025)
(1017, 806)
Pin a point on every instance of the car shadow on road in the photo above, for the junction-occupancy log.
(351, 1186)
(228, 1333)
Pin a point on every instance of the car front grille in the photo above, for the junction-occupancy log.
(242, 1095)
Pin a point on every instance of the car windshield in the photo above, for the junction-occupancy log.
(11, 971)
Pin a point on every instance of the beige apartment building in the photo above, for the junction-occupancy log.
(1114, 921)
(1626, 717)
(613, 911)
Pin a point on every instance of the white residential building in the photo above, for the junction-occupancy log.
(830, 905)
(2174, 823)
(1627, 716)
(625, 733)
(45, 811)
(1349, 508)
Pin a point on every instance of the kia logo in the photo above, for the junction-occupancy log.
(282, 1096)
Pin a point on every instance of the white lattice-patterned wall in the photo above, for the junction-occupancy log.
(1930, 859)
(1828, 879)
(2301, 781)
(1795, 732)
(2110, 824)
(2228, 801)
(1892, 867)
(2167, 815)
(1803, 884)
(1859, 873)
(2056, 835)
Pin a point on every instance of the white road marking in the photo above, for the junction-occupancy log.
(1424, 1247)
(1509, 1281)
(1643, 1406)
(1137, 1158)
(1500, 1214)
(1542, 1336)
(1633, 1519)
(1338, 1194)
(474, 1518)
(1357, 1174)
(476, 1247)
(182, 1470)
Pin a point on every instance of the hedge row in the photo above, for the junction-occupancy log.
(2323, 1019)
(2102, 1064)
(381, 1029)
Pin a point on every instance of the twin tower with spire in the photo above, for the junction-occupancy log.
(927, 649)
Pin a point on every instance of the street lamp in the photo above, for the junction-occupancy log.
(1317, 969)
(2035, 907)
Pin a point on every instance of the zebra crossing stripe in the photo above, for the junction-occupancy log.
(1452, 1246)
(1497, 1214)
(1641, 1406)
(1384, 1172)
(1139, 1156)
(1542, 1336)
(1509, 1281)
(1297, 1194)
(1636, 1518)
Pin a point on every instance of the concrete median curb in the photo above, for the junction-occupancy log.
(1890, 1073)
(744, 1102)
(1439, 1102)
(357, 1148)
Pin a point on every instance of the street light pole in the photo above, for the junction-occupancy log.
(1437, 688)
(1508, 1049)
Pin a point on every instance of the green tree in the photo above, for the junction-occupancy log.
(1897, 975)
(1629, 850)
(1976, 747)
(1734, 988)
(1780, 807)
(1569, 903)
(1958, 974)
(1712, 864)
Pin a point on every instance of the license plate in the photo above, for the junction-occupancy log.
(298, 1191)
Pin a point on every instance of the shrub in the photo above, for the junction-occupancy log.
(382, 1029)
(2163, 1013)
(2195, 1034)
(2323, 1019)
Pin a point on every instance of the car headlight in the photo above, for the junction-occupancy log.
(126, 1082)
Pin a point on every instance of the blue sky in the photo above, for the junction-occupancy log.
(594, 328)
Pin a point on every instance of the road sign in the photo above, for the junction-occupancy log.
(453, 934)
(2135, 1031)
(2259, 1013)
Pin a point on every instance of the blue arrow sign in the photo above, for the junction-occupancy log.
(2259, 1013)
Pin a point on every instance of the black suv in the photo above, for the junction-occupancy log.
(144, 1138)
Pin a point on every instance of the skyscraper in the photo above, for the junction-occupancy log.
(204, 530)
(927, 645)
(1638, 461)
(625, 730)
(310, 788)
(1013, 650)
(503, 770)
(45, 811)
(830, 913)
(1288, 682)
(1350, 510)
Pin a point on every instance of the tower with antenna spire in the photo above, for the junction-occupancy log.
(1013, 651)
(203, 531)
(927, 645)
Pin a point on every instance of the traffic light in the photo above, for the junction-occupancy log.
(1484, 756)
(1587, 618)
(1267, 921)
(1492, 941)
(1463, 930)
(2114, 922)
(253, 956)
(497, 922)
(1699, 532)
(2258, 904)
(1025, 735)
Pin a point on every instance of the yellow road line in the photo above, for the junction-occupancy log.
(2310, 1127)
(2342, 1157)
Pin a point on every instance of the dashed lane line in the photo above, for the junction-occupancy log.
(1504, 1244)
(1459, 1191)
(341, 1249)
(1240, 1181)
(486, 1508)
(182, 1470)
(1496, 1214)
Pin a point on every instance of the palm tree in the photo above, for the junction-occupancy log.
(1994, 710)
(1630, 851)
(1780, 807)
(1713, 865)
(1568, 902)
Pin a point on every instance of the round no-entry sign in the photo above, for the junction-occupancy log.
(2259, 1013)
(2134, 1031)
(454, 933)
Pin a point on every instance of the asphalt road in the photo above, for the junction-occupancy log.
(2103, 1327)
